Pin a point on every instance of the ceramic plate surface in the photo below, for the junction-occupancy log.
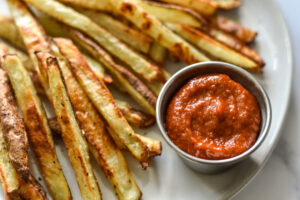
(167, 177)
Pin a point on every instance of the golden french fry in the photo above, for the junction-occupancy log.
(32, 190)
(126, 80)
(102, 99)
(72, 136)
(213, 47)
(135, 117)
(13, 127)
(33, 35)
(162, 11)
(8, 49)
(37, 126)
(76, 20)
(204, 7)
(158, 53)
(244, 34)
(9, 32)
(133, 38)
(154, 146)
(173, 13)
(227, 4)
(106, 153)
(8, 175)
(154, 28)
(236, 44)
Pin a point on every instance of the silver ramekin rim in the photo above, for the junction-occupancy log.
(237, 158)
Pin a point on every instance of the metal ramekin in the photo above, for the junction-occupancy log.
(238, 75)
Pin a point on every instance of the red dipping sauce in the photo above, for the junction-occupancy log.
(213, 117)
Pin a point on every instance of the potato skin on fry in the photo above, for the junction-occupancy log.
(102, 99)
(37, 126)
(112, 44)
(8, 176)
(214, 48)
(100, 144)
(72, 136)
(133, 86)
(32, 189)
(154, 28)
(13, 127)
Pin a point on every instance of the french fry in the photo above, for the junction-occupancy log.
(128, 81)
(204, 7)
(236, 44)
(37, 126)
(102, 5)
(133, 38)
(135, 117)
(213, 47)
(162, 11)
(227, 4)
(173, 13)
(33, 35)
(165, 74)
(154, 146)
(102, 99)
(8, 49)
(8, 175)
(55, 29)
(67, 15)
(158, 53)
(9, 32)
(13, 186)
(13, 127)
(154, 28)
(72, 136)
(106, 153)
(98, 69)
(32, 190)
(244, 34)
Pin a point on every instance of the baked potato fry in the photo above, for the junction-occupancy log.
(72, 136)
(135, 117)
(158, 53)
(172, 13)
(126, 80)
(13, 127)
(8, 49)
(162, 11)
(76, 20)
(244, 34)
(105, 151)
(36, 123)
(8, 175)
(102, 5)
(33, 35)
(102, 99)
(213, 47)
(154, 28)
(227, 4)
(154, 146)
(236, 44)
(9, 31)
(32, 190)
(205, 7)
(133, 38)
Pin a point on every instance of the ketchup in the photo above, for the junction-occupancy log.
(213, 117)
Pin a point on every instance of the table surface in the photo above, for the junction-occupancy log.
(280, 178)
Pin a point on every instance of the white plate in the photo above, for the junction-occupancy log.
(167, 177)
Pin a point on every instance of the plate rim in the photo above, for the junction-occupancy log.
(282, 119)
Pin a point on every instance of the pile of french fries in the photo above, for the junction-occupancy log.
(69, 51)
